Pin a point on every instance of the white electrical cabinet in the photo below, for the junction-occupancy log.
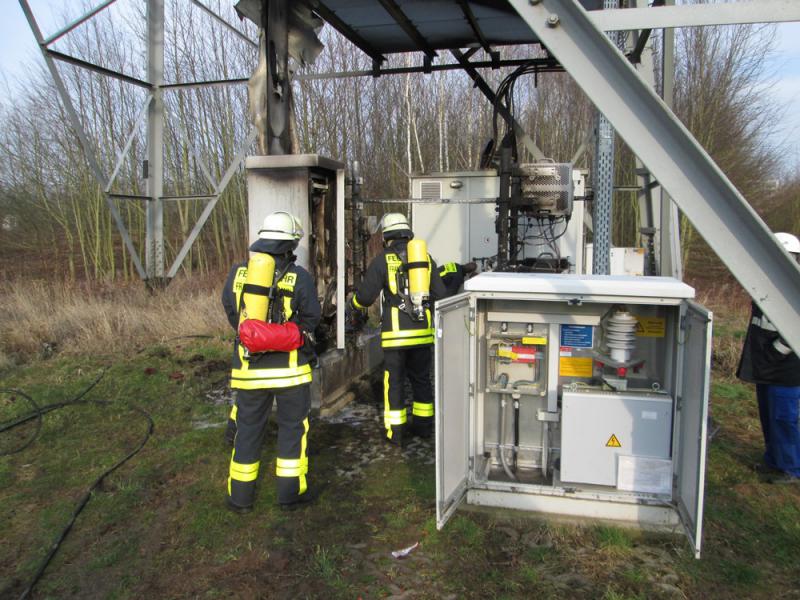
(577, 395)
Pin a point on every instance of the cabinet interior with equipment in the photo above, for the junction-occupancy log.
(582, 404)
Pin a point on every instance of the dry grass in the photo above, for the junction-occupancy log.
(731, 307)
(43, 318)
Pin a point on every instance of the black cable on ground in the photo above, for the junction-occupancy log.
(37, 412)
(86, 497)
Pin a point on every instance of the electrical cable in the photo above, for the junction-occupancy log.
(87, 496)
(37, 414)
(505, 96)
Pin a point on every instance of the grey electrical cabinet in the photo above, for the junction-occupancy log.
(457, 216)
(577, 395)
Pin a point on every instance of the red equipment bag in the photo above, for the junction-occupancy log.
(258, 336)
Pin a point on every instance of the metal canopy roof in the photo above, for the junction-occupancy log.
(385, 26)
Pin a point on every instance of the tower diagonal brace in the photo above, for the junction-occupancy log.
(705, 195)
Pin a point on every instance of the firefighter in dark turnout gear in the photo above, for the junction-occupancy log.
(768, 361)
(278, 370)
(406, 334)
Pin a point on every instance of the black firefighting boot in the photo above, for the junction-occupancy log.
(422, 427)
(398, 436)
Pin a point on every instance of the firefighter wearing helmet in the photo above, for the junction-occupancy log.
(272, 304)
(768, 361)
(410, 282)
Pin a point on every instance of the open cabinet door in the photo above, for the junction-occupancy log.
(692, 421)
(453, 346)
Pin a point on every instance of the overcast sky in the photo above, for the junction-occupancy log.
(18, 50)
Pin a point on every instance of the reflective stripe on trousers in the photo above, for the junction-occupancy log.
(420, 409)
(392, 415)
(290, 468)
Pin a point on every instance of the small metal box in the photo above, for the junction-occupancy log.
(600, 426)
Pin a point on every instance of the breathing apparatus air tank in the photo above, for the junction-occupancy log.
(255, 295)
(419, 280)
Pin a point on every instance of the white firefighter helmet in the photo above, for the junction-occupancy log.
(281, 225)
(392, 222)
(789, 242)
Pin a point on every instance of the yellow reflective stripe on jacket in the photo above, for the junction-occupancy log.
(405, 343)
(406, 333)
(450, 267)
(244, 472)
(421, 409)
(270, 373)
(358, 304)
(234, 412)
(395, 319)
(263, 384)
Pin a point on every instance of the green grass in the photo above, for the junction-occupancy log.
(158, 527)
(613, 538)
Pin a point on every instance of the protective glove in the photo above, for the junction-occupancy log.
(354, 317)
(258, 336)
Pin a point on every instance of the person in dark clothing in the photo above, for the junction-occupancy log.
(768, 361)
(453, 275)
(279, 370)
(406, 336)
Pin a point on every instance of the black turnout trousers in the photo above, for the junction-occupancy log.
(413, 362)
(252, 413)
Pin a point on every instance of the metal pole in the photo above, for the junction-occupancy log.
(356, 209)
(648, 206)
(224, 23)
(603, 183)
(277, 40)
(154, 238)
(670, 257)
(77, 22)
(696, 15)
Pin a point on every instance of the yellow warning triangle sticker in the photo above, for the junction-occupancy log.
(613, 442)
